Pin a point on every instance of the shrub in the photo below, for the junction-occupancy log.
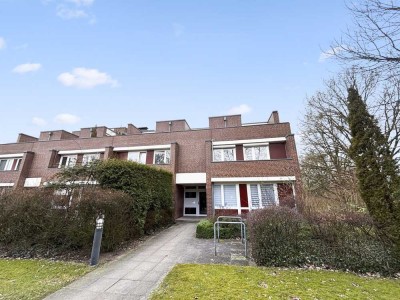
(347, 241)
(39, 222)
(205, 230)
(277, 236)
(150, 187)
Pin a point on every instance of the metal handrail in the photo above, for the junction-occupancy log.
(242, 233)
(233, 218)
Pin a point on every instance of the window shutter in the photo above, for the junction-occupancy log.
(217, 196)
(230, 196)
(267, 195)
(255, 200)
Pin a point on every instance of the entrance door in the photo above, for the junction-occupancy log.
(202, 203)
(195, 201)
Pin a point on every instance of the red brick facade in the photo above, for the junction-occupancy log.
(190, 152)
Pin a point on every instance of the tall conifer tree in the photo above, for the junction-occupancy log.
(377, 173)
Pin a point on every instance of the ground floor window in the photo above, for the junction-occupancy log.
(245, 196)
(262, 195)
(225, 196)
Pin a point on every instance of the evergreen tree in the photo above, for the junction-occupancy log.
(377, 172)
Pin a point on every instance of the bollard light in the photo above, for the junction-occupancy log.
(94, 258)
(100, 221)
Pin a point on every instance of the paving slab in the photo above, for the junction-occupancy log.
(136, 274)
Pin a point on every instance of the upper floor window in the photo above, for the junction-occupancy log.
(137, 156)
(224, 154)
(259, 152)
(162, 157)
(89, 158)
(67, 161)
(10, 164)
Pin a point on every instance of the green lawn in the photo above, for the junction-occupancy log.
(232, 282)
(34, 279)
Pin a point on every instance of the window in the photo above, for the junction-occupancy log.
(67, 161)
(137, 156)
(225, 196)
(161, 157)
(10, 164)
(89, 158)
(256, 152)
(262, 195)
(224, 154)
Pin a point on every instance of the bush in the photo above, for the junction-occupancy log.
(37, 222)
(205, 230)
(283, 237)
(277, 236)
(150, 187)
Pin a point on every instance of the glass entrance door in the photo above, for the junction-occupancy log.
(195, 201)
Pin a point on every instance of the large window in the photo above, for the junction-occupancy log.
(224, 154)
(89, 158)
(137, 156)
(10, 164)
(162, 157)
(262, 195)
(67, 161)
(225, 196)
(259, 152)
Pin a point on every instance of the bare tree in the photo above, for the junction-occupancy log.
(373, 43)
(327, 169)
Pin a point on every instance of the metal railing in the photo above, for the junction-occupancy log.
(234, 220)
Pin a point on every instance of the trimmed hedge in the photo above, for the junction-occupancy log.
(37, 222)
(282, 237)
(205, 230)
(134, 198)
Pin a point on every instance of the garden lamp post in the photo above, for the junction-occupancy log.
(98, 233)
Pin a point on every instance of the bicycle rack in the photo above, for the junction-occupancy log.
(235, 220)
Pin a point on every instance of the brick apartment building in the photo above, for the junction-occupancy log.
(227, 168)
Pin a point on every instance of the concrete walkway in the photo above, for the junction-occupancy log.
(137, 274)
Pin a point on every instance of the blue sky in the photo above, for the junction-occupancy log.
(67, 64)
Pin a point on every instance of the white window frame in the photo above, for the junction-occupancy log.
(68, 163)
(221, 150)
(88, 158)
(166, 162)
(276, 197)
(252, 146)
(223, 206)
(10, 162)
(138, 155)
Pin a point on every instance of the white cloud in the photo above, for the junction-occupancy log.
(2, 43)
(82, 2)
(178, 29)
(38, 121)
(329, 53)
(25, 68)
(240, 109)
(67, 13)
(86, 78)
(66, 119)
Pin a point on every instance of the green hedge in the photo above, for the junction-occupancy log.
(134, 198)
(150, 187)
(37, 222)
(282, 237)
(205, 230)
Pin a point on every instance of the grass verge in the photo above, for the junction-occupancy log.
(34, 279)
(190, 281)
